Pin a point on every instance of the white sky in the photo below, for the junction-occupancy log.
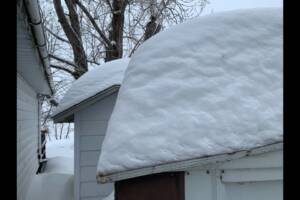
(224, 5)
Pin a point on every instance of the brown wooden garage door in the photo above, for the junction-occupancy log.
(163, 186)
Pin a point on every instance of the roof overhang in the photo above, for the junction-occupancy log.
(32, 11)
(68, 114)
(187, 164)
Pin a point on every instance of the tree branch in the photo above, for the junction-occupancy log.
(73, 17)
(58, 37)
(86, 12)
(109, 4)
(94, 62)
(63, 60)
(70, 33)
(136, 45)
(62, 68)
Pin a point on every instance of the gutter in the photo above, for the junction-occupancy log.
(33, 12)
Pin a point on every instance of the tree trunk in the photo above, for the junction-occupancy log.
(55, 126)
(152, 28)
(116, 34)
(73, 33)
(68, 131)
(61, 131)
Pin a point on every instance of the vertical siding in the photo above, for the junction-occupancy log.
(90, 127)
(27, 136)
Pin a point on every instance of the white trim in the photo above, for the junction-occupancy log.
(35, 20)
(251, 175)
(76, 158)
(220, 193)
(64, 115)
(183, 165)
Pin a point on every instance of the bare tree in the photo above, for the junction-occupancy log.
(84, 33)
(56, 136)
(104, 30)
(61, 130)
(68, 131)
(72, 31)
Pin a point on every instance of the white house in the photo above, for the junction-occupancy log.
(33, 81)
(199, 113)
(89, 103)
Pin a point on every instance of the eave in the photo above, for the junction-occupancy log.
(187, 164)
(68, 114)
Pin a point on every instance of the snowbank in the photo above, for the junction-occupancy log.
(60, 155)
(209, 86)
(92, 82)
(60, 164)
(51, 187)
(63, 147)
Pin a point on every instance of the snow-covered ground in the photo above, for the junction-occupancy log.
(63, 147)
(51, 186)
(60, 155)
(56, 182)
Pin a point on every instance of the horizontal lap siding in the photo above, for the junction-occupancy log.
(88, 173)
(91, 142)
(27, 136)
(256, 177)
(29, 64)
(89, 158)
(90, 128)
(91, 189)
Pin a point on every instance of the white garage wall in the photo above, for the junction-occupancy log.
(251, 178)
(27, 136)
(90, 127)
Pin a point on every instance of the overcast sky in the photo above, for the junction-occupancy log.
(223, 5)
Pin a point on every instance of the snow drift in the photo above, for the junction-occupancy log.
(51, 186)
(209, 86)
(92, 82)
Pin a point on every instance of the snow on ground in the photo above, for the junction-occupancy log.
(60, 164)
(51, 186)
(63, 147)
(60, 155)
(56, 182)
(93, 82)
(209, 86)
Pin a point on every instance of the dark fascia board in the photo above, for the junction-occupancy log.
(68, 114)
(187, 164)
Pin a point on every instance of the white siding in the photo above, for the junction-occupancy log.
(90, 127)
(29, 64)
(251, 178)
(27, 136)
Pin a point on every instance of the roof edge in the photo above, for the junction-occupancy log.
(65, 115)
(32, 9)
(185, 164)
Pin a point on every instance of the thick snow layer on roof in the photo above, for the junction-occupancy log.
(209, 86)
(93, 82)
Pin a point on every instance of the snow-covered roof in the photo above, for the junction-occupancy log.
(203, 88)
(93, 82)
